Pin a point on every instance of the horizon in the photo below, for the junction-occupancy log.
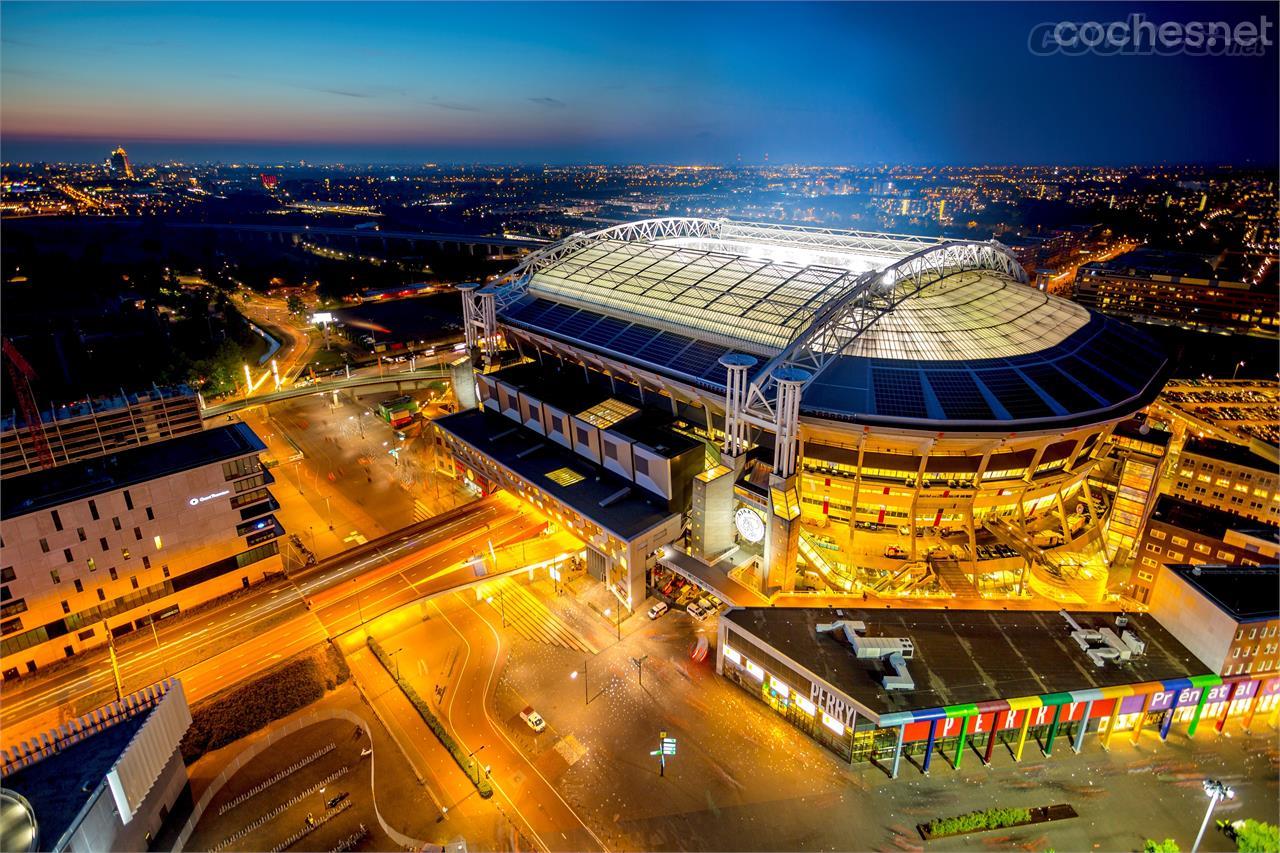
(627, 83)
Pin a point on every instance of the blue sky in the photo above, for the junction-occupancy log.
(823, 83)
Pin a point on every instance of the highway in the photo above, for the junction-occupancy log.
(218, 645)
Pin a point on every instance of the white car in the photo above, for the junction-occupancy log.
(533, 719)
(696, 611)
(658, 609)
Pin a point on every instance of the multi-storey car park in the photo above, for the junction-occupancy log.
(812, 409)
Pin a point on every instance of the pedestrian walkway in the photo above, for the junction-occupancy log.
(523, 612)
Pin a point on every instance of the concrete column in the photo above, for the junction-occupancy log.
(1084, 724)
(790, 382)
(735, 394)
(1053, 731)
(928, 753)
(1195, 718)
(897, 750)
(1142, 719)
(991, 740)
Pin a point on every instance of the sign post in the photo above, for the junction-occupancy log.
(666, 746)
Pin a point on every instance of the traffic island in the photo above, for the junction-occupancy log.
(994, 818)
(467, 764)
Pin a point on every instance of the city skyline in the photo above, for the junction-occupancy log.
(824, 84)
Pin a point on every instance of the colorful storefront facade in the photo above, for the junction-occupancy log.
(1111, 714)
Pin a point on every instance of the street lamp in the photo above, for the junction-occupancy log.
(392, 655)
(1216, 791)
(586, 697)
(1236, 372)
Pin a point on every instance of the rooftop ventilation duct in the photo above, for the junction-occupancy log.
(896, 651)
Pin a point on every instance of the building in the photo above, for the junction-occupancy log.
(1227, 615)
(109, 544)
(1179, 531)
(108, 780)
(845, 389)
(97, 427)
(1230, 477)
(877, 684)
(119, 163)
(1176, 289)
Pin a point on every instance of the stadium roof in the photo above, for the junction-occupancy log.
(891, 328)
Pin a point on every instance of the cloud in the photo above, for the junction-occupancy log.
(344, 93)
(549, 103)
(452, 105)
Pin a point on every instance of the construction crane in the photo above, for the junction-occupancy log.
(20, 374)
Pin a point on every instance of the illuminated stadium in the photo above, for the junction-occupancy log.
(745, 382)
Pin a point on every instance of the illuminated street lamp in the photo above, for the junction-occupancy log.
(1236, 372)
(1216, 791)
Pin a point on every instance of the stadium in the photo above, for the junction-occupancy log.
(805, 409)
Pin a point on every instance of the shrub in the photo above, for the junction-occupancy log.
(1254, 836)
(1166, 846)
(468, 765)
(994, 818)
(244, 708)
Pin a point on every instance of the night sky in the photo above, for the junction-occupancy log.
(824, 84)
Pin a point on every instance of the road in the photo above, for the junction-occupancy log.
(518, 781)
(224, 643)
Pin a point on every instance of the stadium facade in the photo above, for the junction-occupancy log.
(828, 410)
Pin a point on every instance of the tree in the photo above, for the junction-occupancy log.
(1166, 846)
(1254, 836)
(295, 304)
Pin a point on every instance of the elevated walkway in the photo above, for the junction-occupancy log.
(953, 578)
(1067, 576)
(713, 577)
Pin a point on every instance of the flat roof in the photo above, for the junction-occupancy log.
(1245, 593)
(53, 487)
(532, 457)
(59, 786)
(1209, 521)
(1226, 451)
(965, 656)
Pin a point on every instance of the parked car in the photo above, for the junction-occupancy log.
(707, 604)
(893, 552)
(533, 719)
(658, 609)
(696, 611)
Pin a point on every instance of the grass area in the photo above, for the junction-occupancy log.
(232, 713)
(468, 765)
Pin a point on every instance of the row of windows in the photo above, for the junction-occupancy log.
(1253, 632)
(238, 468)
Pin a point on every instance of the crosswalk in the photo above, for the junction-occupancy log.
(530, 618)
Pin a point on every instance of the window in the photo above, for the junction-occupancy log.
(583, 436)
(128, 500)
(146, 562)
(237, 468)
(1154, 549)
(103, 542)
(44, 545)
(1147, 561)
(641, 465)
(1175, 555)
(79, 586)
(159, 542)
(102, 596)
(137, 533)
(93, 510)
(93, 567)
(151, 515)
(124, 552)
(55, 577)
(66, 552)
(1180, 541)
(115, 576)
(115, 522)
(10, 626)
(1158, 534)
(5, 594)
(134, 581)
(57, 519)
(80, 533)
(1202, 548)
(66, 606)
(164, 570)
(7, 574)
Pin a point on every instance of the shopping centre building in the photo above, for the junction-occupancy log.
(883, 684)
(827, 410)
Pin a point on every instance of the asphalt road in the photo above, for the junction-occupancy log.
(219, 645)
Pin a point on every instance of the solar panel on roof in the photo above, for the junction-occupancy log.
(555, 315)
(604, 331)
(530, 311)
(1092, 378)
(578, 323)
(698, 357)
(633, 339)
(664, 348)
(1013, 392)
(1060, 387)
(898, 393)
(959, 395)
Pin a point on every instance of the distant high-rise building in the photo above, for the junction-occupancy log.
(119, 163)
